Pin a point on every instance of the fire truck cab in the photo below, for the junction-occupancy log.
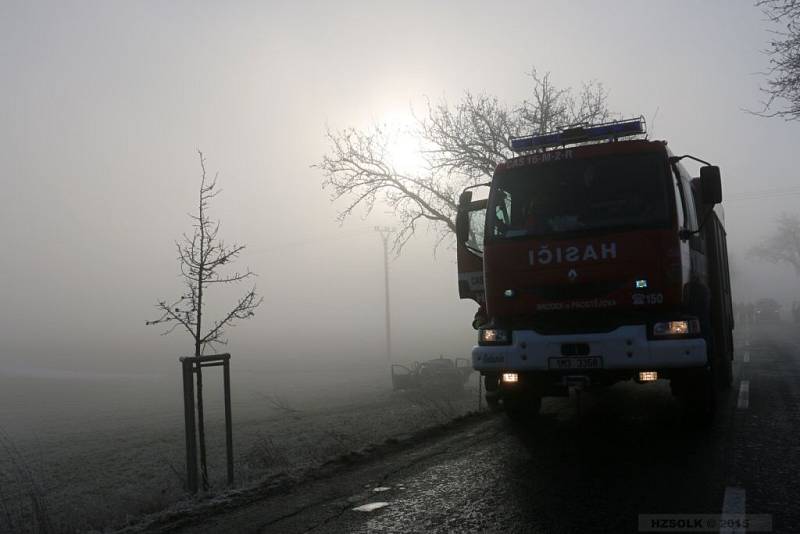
(595, 257)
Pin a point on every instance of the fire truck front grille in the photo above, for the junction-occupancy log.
(574, 322)
(576, 291)
(574, 349)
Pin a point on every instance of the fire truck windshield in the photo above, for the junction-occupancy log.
(580, 196)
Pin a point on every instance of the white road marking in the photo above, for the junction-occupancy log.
(747, 356)
(744, 395)
(733, 504)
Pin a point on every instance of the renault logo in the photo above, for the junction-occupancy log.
(572, 274)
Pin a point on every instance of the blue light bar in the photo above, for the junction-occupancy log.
(580, 134)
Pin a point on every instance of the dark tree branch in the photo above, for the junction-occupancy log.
(783, 246)
(782, 90)
(244, 309)
(461, 144)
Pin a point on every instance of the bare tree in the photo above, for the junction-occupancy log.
(202, 258)
(783, 246)
(461, 145)
(783, 75)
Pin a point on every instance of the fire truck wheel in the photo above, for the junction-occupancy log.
(493, 402)
(698, 396)
(522, 408)
(491, 382)
(720, 357)
(726, 378)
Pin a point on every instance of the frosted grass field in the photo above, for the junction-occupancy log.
(101, 449)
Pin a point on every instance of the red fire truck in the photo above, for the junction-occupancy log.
(596, 258)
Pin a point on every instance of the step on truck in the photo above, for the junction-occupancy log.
(596, 258)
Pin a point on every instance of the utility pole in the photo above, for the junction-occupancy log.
(385, 232)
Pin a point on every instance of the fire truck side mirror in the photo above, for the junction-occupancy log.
(710, 184)
(462, 216)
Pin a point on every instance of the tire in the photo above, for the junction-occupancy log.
(491, 383)
(721, 362)
(522, 408)
(493, 402)
(698, 396)
(728, 379)
(492, 396)
(726, 373)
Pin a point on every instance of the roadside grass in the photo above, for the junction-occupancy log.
(304, 438)
(24, 506)
(106, 477)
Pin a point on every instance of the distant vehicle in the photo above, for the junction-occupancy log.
(767, 311)
(439, 374)
(595, 260)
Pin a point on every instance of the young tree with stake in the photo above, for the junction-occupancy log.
(202, 258)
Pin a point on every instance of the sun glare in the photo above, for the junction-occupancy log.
(404, 150)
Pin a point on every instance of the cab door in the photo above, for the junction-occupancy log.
(470, 224)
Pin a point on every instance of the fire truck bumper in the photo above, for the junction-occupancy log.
(627, 347)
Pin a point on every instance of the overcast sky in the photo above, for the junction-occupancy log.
(103, 105)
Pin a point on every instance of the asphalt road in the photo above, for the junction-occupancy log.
(593, 464)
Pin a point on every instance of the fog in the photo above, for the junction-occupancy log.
(105, 104)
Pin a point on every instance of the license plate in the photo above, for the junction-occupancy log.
(576, 362)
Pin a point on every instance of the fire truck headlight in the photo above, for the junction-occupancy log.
(510, 378)
(494, 336)
(687, 327)
(648, 376)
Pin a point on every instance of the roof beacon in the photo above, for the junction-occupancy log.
(580, 134)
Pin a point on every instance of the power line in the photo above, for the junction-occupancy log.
(764, 194)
